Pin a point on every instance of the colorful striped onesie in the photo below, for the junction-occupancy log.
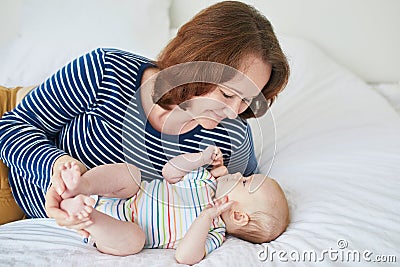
(165, 211)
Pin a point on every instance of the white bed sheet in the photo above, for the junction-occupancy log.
(337, 158)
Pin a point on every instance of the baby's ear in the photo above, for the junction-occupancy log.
(240, 218)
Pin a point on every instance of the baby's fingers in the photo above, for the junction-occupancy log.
(223, 204)
(217, 154)
(226, 206)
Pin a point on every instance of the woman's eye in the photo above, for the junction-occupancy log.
(227, 96)
(247, 100)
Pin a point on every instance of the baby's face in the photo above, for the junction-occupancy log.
(249, 192)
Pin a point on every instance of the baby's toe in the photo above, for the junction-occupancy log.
(75, 166)
(84, 214)
(88, 209)
(89, 201)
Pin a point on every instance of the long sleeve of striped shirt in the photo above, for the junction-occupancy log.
(28, 133)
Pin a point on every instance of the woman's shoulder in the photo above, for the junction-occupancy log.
(119, 57)
(124, 54)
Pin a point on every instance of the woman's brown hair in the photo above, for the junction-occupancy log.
(225, 33)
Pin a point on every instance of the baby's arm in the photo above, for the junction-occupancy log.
(191, 249)
(179, 166)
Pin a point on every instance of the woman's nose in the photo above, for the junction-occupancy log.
(233, 109)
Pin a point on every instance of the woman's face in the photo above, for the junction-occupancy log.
(233, 97)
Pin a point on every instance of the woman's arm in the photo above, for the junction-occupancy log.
(28, 133)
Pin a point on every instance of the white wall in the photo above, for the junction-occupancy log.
(363, 35)
(9, 17)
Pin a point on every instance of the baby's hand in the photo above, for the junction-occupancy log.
(173, 180)
(220, 205)
(213, 155)
(219, 171)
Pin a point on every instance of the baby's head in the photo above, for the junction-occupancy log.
(260, 211)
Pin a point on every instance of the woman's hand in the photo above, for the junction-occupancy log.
(53, 210)
(53, 198)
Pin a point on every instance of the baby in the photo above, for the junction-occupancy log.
(189, 211)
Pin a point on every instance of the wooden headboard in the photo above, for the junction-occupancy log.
(363, 35)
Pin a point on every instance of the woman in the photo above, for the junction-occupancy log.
(92, 111)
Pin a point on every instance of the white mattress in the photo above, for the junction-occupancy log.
(337, 158)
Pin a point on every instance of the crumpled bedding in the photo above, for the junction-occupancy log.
(332, 143)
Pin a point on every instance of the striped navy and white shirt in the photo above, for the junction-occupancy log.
(90, 110)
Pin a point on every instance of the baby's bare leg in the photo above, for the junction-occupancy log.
(115, 237)
(119, 180)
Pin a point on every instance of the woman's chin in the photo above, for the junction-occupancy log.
(208, 124)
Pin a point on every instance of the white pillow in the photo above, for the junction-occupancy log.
(337, 156)
(324, 104)
(53, 32)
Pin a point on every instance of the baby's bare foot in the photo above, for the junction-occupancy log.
(80, 206)
(71, 174)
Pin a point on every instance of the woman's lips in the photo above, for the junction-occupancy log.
(217, 116)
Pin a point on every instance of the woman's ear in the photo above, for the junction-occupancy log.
(240, 218)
